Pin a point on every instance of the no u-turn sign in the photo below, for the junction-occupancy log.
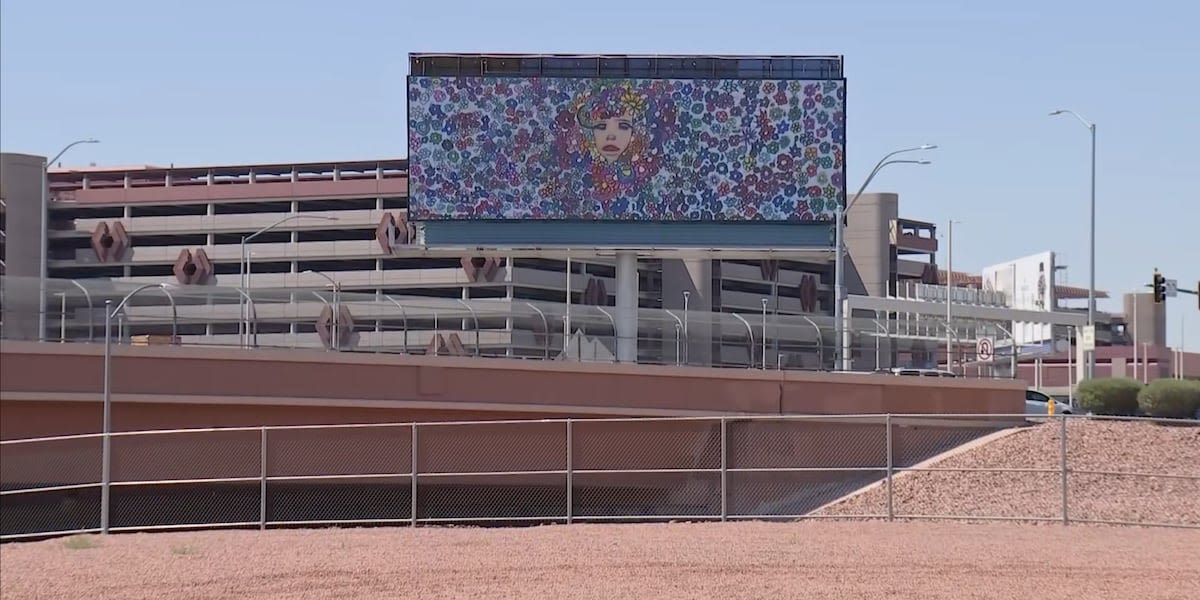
(985, 349)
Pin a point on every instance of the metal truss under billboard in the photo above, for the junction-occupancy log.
(506, 148)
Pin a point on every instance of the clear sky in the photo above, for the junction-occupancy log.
(232, 81)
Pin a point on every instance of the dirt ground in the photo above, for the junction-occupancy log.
(1104, 447)
(816, 559)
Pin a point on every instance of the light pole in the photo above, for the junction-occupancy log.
(245, 266)
(106, 399)
(764, 335)
(950, 291)
(687, 294)
(1090, 355)
(44, 267)
(841, 332)
(337, 307)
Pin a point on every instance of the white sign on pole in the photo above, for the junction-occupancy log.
(1170, 288)
(1087, 338)
(985, 349)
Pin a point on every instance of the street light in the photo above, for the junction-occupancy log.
(841, 332)
(106, 399)
(1089, 372)
(950, 292)
(244, 268)
(45, 250)
(337, 307)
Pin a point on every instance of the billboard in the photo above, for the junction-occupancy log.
(1028, 284)
(505, 148)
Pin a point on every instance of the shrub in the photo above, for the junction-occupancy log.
(1173, 398)
(1109, 396)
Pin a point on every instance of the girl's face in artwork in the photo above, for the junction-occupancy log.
(612, 136)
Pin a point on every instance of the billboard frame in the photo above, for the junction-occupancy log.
(842, 190)
(631, 66)
(444, 232)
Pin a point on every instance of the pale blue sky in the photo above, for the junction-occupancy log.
(232, 81)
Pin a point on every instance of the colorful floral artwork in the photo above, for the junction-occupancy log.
(618, 149)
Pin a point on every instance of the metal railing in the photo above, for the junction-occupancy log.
(571, 470)
(408, 324)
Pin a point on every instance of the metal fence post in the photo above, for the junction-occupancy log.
(106, 440)
(262, 480)
(724, 469)
(887, 423)
(413, 468)
(1063, 465)
(570, 483)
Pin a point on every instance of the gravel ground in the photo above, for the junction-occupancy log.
(1110, 446)
(828, 560)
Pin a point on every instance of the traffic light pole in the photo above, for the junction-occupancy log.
(1158, 283)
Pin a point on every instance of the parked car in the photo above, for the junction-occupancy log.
(1036, 403)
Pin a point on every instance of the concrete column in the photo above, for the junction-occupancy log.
(693, 276)
(509, 294)
(627, 307)
(25, 242)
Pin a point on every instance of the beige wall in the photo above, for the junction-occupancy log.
(1150, 327)
(868, 230)
(20, 187)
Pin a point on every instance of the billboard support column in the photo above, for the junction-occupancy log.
(845, 354)
(839, 364)
(627, 307)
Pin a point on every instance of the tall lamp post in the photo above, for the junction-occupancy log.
(841, 331)
(245, 266)
(1090, 369)
(111, 311)
(45, 246)
(950, 294)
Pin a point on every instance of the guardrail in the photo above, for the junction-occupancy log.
(571, 470)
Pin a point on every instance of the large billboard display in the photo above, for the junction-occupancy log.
(1028, 284)
(507, 148)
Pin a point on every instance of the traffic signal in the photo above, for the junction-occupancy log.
(1160, 288)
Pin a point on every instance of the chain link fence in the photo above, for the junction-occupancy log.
(964, 467)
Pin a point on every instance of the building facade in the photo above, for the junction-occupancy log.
(307, 225)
